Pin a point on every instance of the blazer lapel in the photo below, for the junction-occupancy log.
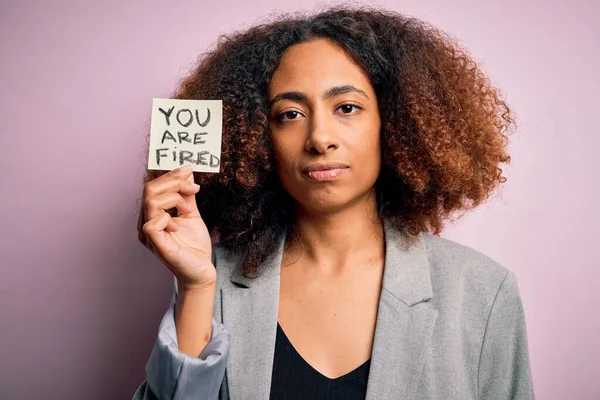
(250, 313)
(405, 321)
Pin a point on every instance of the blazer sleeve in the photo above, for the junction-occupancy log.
(504, 370)
(173, 375)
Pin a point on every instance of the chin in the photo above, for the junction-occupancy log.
(324, 203)
(328, 199)
(322, 209)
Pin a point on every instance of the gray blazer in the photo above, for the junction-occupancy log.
(450, 325)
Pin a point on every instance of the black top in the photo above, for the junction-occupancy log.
(293, 378)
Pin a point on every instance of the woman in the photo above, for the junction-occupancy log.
(349, 138)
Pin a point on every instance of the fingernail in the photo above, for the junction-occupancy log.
(185, 168)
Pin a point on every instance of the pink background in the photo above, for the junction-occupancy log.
(81, 300)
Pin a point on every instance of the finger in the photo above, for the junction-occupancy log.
(141, 221)
(155, 230)
(171, 225)
(167, 201)
(190, 198)
(173, 181)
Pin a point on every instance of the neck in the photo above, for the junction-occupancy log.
(338, 241)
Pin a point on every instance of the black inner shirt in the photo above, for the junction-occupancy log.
(295, 379)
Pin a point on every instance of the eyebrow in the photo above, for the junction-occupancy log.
(331, 92)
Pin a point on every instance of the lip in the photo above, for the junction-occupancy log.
(324, 172)
(324, 166)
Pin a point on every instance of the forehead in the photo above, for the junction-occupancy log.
(316, 66)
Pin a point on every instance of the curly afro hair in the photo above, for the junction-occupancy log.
(444, 128)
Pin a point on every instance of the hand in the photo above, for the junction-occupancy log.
(181, 242)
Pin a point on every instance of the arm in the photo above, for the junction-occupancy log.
(172, 374)
(504, 370)
(193, 318)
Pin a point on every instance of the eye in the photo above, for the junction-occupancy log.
(348, 108)
(288, 115)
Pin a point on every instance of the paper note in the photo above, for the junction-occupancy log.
(186, 132)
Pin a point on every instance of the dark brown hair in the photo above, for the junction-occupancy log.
(444, 125)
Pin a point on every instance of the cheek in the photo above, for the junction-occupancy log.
(286, 144)
(372, 157)
(283, 157)
(279, 150)
(370, 149)
(375, 141)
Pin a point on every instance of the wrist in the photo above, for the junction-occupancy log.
(197, 290)
(209, 281)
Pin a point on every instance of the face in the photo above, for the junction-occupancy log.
(325, 127)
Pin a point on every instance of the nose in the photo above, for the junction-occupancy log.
(321, 135)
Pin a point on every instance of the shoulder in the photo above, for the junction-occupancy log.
(449, 259)
(228, 263)
(480, 324)
(225, 262)
(461, 275)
